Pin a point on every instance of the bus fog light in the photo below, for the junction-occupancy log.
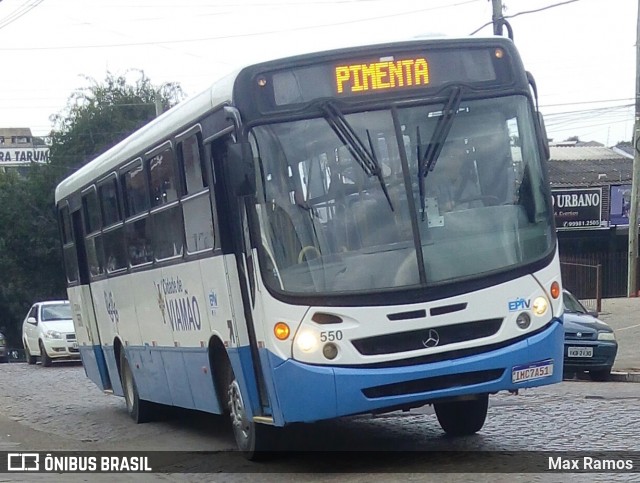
(523, 320)
(540, 306)
(307, 341)
(330, 351)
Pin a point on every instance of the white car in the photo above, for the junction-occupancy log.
(48, 332)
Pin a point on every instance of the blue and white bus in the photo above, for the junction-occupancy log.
(277, 248)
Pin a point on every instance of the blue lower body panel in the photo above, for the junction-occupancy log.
(95, 366)
(168, 375)
(308, 393)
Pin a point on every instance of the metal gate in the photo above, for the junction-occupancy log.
(585, 282)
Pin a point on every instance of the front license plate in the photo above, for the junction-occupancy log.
(529, 372)
(580, 351)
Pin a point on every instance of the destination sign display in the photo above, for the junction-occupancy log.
(354, 78)
(383, 73)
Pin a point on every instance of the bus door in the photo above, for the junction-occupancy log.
(82, 306)
(240, 336)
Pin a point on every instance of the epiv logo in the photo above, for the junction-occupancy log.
(519, 304)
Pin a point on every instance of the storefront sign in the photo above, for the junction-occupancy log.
(21, 156)
(578, 208)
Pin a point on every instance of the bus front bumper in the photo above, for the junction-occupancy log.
(306, 393)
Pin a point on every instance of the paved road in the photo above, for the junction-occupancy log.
(58, 408)
(623, 314)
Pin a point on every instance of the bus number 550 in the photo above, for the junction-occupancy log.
(330, 335)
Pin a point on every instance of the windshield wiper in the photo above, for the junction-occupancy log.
(365, 157)
(428, 161)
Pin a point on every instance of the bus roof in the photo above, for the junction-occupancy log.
(184, 114)
(156, 131)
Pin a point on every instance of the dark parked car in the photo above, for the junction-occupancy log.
(4, 356)
(589, 344)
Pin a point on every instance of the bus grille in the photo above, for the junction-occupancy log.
(437, 383)
(417, 339)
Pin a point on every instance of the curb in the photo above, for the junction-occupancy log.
(624, 376)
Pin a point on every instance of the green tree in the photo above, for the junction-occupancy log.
(96, 117)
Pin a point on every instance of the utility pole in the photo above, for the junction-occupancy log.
(497, 17)
(632, 278)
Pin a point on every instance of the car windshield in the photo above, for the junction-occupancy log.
(56, 312)
(572, 304)
(345, 199)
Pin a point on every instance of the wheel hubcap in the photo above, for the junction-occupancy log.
(128, 387)
(237, 411)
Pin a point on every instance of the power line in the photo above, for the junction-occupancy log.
(19, 12)
(248, 34)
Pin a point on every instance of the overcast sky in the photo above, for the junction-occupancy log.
(582, 53)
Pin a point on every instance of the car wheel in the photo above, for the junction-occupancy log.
(600, 376)
(462, 418)
(252, 439)
(139, 410)
(46, 360)
(31, 360)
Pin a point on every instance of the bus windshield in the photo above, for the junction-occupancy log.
(381, 199)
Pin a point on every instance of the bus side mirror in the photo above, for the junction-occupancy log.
(240, 169)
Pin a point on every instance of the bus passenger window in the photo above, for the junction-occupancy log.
(95, 255)
(109, 201)
(91, 211)
(71, 263)
(134, 187)
(196, 205)
(138, 240)
(162, 177)
(167, 233)
(114, 252)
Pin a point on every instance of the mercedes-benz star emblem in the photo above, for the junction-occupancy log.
(433, 339)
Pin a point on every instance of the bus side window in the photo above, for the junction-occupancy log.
(135, 195)
(167, 236)
(92, 226)
(112, 236)
(69, 247)
(196, 204)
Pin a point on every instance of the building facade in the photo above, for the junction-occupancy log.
(19, 149)
(591, 190)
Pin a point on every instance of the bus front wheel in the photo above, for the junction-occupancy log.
(251, 438)
(140, 411)
(462, 418)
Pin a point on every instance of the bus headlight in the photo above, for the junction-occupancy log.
(307, 341)
(540, 306)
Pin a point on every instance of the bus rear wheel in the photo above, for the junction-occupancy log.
(252, 439)
(462, 418)
(140, 411)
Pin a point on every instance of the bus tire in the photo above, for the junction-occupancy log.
(462, 418)
(31, 360)
(252, 439)
(139, 410)
(46, 360)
